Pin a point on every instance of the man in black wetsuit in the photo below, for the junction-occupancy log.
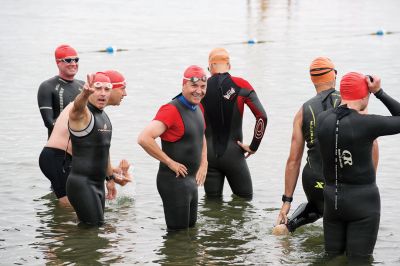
(90, 130)
(56, 93)
(55, 158)
(323, 76)
(346, 135)
(223, 110)
(183, 156)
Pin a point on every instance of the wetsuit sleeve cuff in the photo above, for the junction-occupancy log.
(254, 146)
(379, 93)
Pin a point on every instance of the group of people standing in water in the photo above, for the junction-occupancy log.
(202, 144)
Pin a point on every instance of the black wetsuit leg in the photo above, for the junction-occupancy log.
(233, 165)
(313, 186)
(55, 165)
(312, 210)
(353, 226)
(239, 178)
(91, 209)
(180, 199)
(214, 184)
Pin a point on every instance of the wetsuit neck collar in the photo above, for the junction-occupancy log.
(94, 108)
(64, 80)
(186, 103)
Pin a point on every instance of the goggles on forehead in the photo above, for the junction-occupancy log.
(99, 84)
(327, 70)
(117, 85)
(69, 60)
(195, 79)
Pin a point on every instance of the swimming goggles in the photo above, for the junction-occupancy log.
(328, 69)
(117, 85)
(196, 79)
(99, 84)
(69, 60)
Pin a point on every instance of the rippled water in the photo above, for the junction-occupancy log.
(162, 39)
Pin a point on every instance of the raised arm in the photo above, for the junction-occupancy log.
(79, 116)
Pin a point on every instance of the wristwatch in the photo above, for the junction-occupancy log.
(286, 198)
(110, 177)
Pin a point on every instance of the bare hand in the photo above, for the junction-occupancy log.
(201, 174)
(122, 179)
(375, 85)
(282, 217)
(124, 166)
(246, 148)
(179, 169)
(88, 88)
(122, 175)
(111, 190)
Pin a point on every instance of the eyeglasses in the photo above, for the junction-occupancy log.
(195, 79)
(99, 84)
(328, 69)
(69, 60)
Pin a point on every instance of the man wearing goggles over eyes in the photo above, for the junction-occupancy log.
(223, 110)
(183, 157)
(55, 158)
(56, 93)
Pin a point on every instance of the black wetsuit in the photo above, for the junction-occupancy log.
(53, 95)
(85, 184)
(223, 109)
(55, 165)
(352, 201)
(312, 177)
(179, 195)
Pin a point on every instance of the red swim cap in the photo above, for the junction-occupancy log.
(353, 86)
(64, 51)
(193, 71)
(101, 77)
(116, 78)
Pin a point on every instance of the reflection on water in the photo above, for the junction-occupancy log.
(220, 236)
(63, 242)
(230, 231)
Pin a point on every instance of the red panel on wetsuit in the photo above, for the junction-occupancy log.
(244, 84)
(170, 116)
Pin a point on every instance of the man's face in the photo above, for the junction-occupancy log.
(68, 67)
(101, 95)
(117, 95)
(194, 92)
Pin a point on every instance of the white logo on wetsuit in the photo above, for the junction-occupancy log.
(345, 158)
(104, 129)
(229, 93)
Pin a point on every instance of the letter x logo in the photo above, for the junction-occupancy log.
(319, 185)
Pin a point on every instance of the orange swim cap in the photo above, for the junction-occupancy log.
(353, 86)
(322, 70)
(116, 78)
(218, 55)
(64, 51)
